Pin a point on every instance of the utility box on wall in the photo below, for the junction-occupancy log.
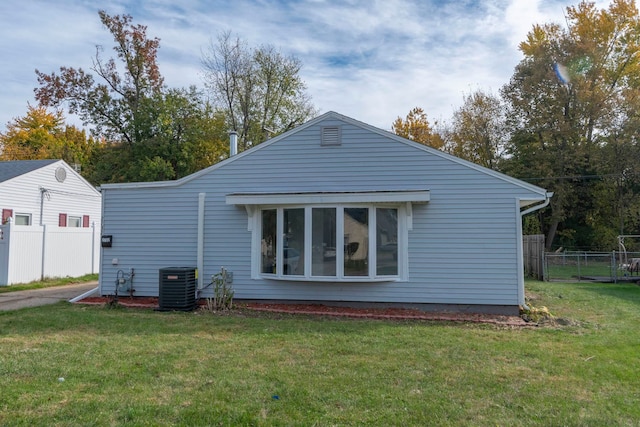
(178, 288)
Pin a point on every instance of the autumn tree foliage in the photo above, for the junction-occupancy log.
(260, 89)
(115, 104)
(150, 132)
(42, 134)
(416, 127)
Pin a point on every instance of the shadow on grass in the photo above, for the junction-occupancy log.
(626, 291)
(118, 321)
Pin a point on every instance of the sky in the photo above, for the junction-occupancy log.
(372, 60)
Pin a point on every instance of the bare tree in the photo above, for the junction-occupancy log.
(260, 89)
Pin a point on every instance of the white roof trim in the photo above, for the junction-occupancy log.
(403, 196)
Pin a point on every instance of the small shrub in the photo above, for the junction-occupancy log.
(535, 314)
(222, 293)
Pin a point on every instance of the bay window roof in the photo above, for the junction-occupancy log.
(329, 197)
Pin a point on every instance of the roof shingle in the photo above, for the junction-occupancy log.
(14, 168)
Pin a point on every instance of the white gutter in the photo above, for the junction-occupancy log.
(521, 296)
(200, 249)
(547, 200)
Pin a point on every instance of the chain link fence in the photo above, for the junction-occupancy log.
(592, 266)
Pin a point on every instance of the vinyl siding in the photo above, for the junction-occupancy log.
(74, 196)
(462, 248)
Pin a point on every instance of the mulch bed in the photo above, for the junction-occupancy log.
(325, 310)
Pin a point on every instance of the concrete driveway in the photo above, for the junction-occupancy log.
(37, 297)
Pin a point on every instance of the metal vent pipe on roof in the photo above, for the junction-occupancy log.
(233, 143)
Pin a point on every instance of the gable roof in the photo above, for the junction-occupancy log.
(15, 168)
(332, 115)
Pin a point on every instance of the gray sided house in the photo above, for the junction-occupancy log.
(335, 212)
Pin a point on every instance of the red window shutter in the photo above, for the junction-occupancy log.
(6, 214)
(62, 220)
(85, 221)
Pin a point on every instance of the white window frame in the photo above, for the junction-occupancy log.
(24, 215)
(404, 218)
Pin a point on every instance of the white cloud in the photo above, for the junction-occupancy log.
(372, 60)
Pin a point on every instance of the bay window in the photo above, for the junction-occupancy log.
(332, 236)
(351, 243)
(323, 241)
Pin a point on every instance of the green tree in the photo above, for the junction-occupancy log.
(563, 108)
(616, 195)
(478, 130)
(260, 89)
(416, 127)
(185, 135)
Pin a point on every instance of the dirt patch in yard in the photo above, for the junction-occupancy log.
(325, 310)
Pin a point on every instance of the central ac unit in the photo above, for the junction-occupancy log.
(178, 288)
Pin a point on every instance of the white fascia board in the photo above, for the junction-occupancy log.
(413, 196)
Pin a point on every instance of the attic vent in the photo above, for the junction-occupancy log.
(61, 174)
(331, 135)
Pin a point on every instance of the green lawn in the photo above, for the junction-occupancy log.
(47, 283)
(141, 367)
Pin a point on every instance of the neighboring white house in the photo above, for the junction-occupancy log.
(333, 211)
(51, 220)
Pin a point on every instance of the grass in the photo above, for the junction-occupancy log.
(573, 272)
(47, 283)
(140, 367)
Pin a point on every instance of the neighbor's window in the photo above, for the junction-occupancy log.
(74, 221)
(22, 219)
(331, 243)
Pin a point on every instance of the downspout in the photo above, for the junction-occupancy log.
(43, 255)
(93, 247)
(547, 200)
(200, 243)
(43, 193)
(86, 294)
(101, 250)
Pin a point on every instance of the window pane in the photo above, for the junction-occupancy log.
(269, 241)
(323, 242)
(387, 242)
(293, 244)
(23, 219)
(356, 241)
(74, 221)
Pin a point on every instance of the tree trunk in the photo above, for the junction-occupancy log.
(551, 234)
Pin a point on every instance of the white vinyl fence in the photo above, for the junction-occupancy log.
(29, 253)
